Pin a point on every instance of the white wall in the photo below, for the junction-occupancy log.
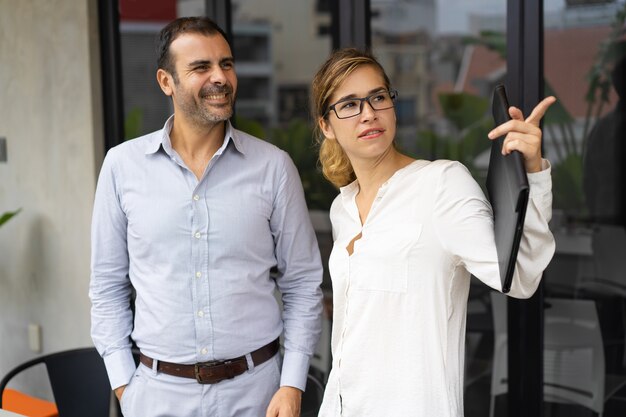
(50, 113)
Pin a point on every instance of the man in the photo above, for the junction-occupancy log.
(195, 216)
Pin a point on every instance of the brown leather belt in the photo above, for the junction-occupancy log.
(214, 371)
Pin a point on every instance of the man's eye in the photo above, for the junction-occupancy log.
(379, 97)
(201, 68)
(227, 65)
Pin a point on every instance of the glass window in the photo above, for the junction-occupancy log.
(289, 37)
(145, 106)
(406, 111)
(585, 316)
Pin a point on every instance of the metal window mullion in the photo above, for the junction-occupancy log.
(525, 319)
(220, 12)
(111, 73)
(351, 24)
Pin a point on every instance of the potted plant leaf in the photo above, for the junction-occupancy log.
(7, 216)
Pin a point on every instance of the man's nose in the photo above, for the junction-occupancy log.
(218, 76)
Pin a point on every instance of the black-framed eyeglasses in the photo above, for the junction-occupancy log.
(350, 107)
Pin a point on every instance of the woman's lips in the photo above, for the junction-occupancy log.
(371, 133)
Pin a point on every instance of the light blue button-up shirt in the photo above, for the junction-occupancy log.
(199, 255)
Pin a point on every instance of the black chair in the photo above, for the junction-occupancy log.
(79, 382)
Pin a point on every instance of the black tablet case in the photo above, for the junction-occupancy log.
(507, 187)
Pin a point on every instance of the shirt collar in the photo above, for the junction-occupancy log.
(233, 135)
(161, 139)
(348, 192)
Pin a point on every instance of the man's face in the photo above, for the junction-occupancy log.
(205, 83)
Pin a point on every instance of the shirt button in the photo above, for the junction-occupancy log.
(196, 197)
(204, 351)
(200, 313)
(197, 235)
(198, 274)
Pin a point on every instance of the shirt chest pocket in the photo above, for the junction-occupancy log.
(382, 260)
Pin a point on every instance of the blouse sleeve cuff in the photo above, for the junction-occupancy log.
(541, 182)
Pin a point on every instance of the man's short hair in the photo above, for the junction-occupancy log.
(198, 24)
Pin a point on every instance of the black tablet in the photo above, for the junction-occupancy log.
(507, 188)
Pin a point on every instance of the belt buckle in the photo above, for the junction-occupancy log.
(228, 372)
(207, 365)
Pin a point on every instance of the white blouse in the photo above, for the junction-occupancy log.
(400, 299)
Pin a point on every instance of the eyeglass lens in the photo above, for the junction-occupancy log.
(350, 108)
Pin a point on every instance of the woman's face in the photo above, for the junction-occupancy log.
(370, 134)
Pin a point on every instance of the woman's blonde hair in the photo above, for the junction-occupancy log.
(336, 166)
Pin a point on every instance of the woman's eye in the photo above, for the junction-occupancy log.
(347, 104)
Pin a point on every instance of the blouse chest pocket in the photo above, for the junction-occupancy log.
(382, 260)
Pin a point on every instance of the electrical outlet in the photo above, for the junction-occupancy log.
(3, 149)
(34, 337)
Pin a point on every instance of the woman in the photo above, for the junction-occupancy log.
(407, 235)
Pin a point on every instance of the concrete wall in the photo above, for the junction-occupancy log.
(50, 113)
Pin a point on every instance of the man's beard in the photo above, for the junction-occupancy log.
(206, 114)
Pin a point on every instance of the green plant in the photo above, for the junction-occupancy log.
(133, 123)
(7, 216)
(568, 180)
(297, 140)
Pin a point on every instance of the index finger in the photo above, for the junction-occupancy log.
(540, 109)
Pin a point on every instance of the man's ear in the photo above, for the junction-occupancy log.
(166, 81)
(326, 128)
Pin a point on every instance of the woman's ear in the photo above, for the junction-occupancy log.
(165, 81)
(326, 128)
